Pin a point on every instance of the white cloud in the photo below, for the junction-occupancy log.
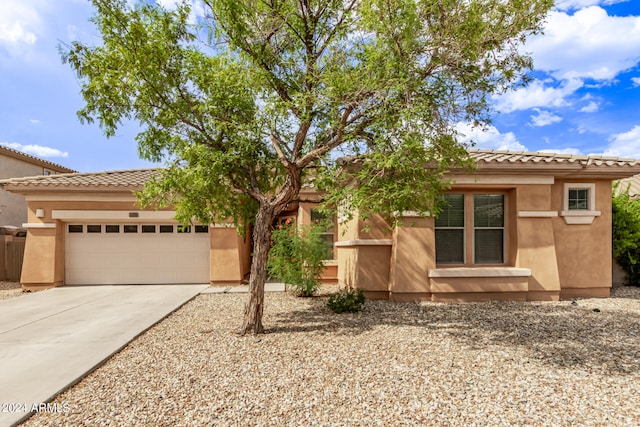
(537, 94)
(636, 81)
(544, 118)
(587, 44)
(626, 144)
(17, 23)
(591, 107)
(488, 138)
(36, 150)
(34, 121)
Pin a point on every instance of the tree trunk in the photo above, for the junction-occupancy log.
(268, 211)
(253, 309)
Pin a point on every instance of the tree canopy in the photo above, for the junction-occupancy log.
(241, 99)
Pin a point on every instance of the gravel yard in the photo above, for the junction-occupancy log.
(394, 364)
(9, 290)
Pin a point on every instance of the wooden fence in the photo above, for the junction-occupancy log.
(11, 256)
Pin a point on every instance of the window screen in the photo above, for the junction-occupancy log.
(488, 235)
(450, 231)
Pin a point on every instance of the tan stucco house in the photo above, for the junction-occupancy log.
(524, 226)
(15, 164)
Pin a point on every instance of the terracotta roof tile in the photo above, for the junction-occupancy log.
(502, 156)
(491, 159)
(130, 179)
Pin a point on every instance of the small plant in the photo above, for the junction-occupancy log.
(297, 256)
(349, 300)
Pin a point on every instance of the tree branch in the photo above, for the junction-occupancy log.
(335, 140)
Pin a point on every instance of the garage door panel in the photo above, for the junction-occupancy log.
(136, 258)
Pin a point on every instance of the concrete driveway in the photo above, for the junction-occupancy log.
(49, 340)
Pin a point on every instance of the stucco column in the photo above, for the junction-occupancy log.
(364, 256)
(230, 257)
(43, 265)
(537, 251)
(412, 257)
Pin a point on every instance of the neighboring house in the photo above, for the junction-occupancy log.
(632, 184)
(524, 226)
(15, 164)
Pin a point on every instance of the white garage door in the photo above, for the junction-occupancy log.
(112, 253)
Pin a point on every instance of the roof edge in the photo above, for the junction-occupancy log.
(11, 152)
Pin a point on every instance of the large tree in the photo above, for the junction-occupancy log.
(241, 99)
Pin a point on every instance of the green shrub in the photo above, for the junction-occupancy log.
(346, 300)
(297, 256)
(626, 235)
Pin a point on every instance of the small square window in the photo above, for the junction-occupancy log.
(148, 228)
(184, 229)
(201, 229)
(94, 228)
(130, 228)
(166, 228)
(112, 228)
(579, 203)
(75, 228)
(578, 199)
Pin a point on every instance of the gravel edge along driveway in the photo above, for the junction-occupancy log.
(9, 290)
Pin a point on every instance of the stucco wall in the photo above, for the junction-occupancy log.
(44, 251)
(11, 167)
(413, 255)
(584, 250)
(563, 260)
(228, 252)
(13, 207)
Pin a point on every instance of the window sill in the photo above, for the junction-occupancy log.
(480, 272)
(330, 262)
(579, 217)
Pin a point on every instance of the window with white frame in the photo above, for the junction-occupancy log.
(579, 197)
(579, 203)
(471, 227)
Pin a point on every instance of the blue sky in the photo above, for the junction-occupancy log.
(584, 99)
